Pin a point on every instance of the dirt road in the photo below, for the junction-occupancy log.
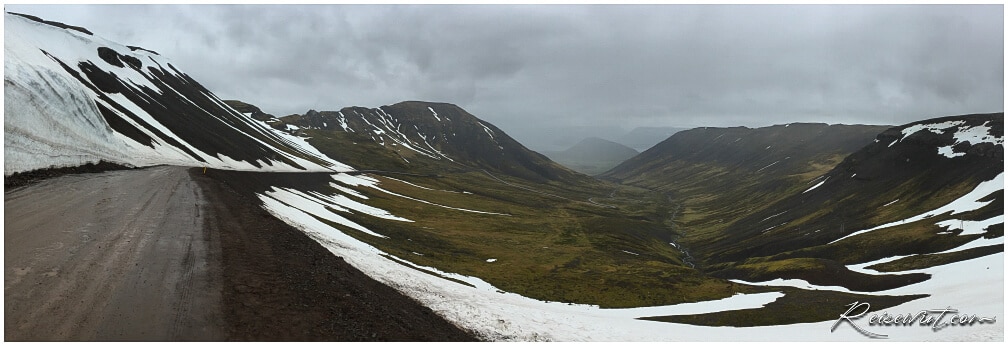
(169, 254)
(119, 255)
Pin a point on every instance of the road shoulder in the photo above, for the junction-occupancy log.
(278, 284)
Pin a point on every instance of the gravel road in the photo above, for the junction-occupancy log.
(119, 255)
(174, 254)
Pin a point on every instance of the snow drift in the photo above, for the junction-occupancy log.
(72, 97)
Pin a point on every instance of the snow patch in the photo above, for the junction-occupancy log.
(947, 152)
(937, 128)
(365, 181)
(816, 185)
(409, 183)
(797, 283)
(767, 166)
(968, 202)
(273, 200)
(969, 227)
(435, 114)
(774, 215)
(319, 205)
(485, 129)
(979, 242)
(963, 134)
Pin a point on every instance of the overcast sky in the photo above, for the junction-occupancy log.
(536, 66)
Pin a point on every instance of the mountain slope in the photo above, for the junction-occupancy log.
(72, 97)
(642, 138)
(906, 175)
(593, 155)
(415, 131)
(929, 191)
(774, 149)
(728, 171)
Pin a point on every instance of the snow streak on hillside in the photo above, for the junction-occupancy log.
(971, 201)
(388, 131)
(73, 98)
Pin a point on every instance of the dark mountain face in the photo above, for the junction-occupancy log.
(804, 200)
(731, 158)
(190, 104)
(425, 131)
(905, 171)
(716, 176)
(593, 155)
(250, 110)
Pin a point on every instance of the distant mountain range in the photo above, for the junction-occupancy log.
(643, 138)
(560, 138)
(592, 155)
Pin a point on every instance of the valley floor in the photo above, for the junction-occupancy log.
(166, 253)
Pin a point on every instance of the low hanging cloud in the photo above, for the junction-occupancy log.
(529, 66)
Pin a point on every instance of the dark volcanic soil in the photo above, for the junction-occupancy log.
(281, 285)
(31, 177)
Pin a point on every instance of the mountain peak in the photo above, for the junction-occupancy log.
(442, 132)
(417, 103)
(56, 24)
(593, 155)
(593, 146)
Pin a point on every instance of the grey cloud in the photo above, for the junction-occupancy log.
(604, 65)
